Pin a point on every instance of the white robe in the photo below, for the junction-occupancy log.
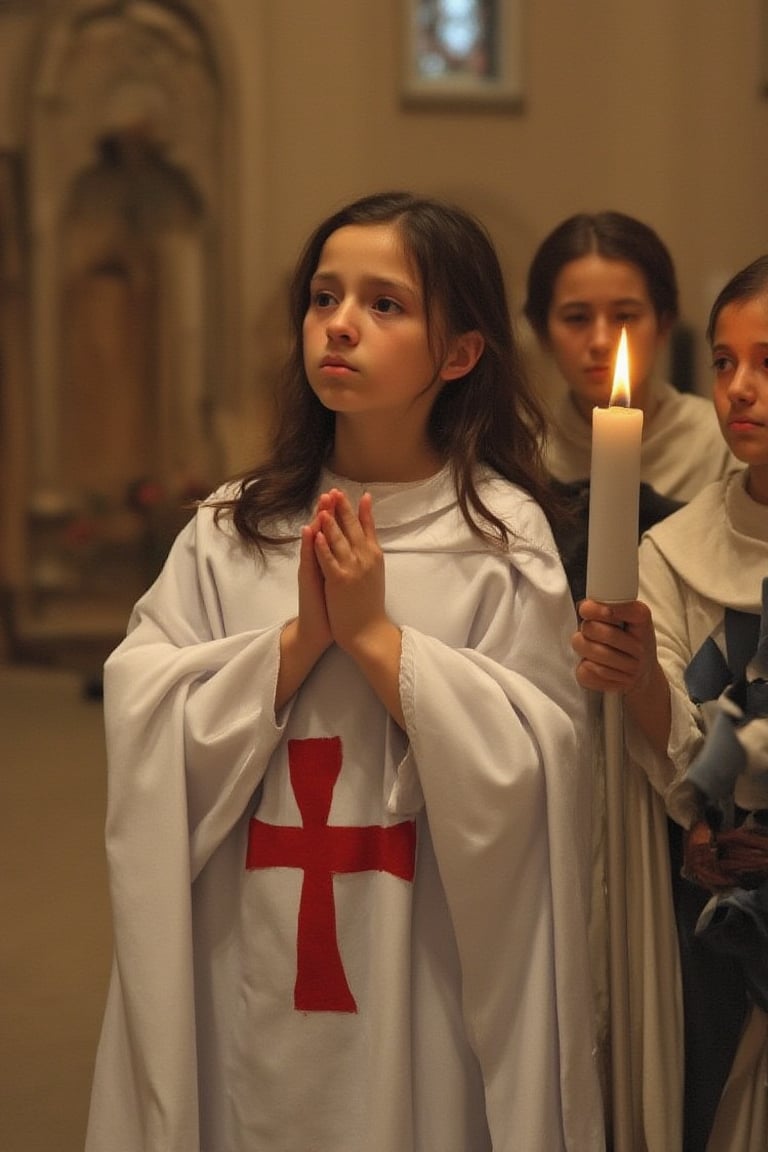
(710, 555)
(682, 449)
(471, 1023)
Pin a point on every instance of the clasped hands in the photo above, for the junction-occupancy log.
(341, 601)
(341, 575)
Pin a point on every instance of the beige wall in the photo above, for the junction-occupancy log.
(655, 109)
(652, 108)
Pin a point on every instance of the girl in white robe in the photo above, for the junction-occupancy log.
(347, 791)
(702, 561)
(591, 276)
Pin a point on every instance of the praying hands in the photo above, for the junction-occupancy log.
(341, 601)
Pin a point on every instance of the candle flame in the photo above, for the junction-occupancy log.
(620, 394)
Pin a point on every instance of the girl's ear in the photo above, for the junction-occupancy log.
(463, 353)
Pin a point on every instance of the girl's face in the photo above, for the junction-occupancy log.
(366, 342)
(593, 298)
(740, 361)
(366, 346)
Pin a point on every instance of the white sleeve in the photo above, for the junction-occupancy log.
(187, 747)
(178, 714)
(669, 601)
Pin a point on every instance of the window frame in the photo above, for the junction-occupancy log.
(504, 90)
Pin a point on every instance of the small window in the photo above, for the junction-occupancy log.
(462, 52)
(456, 37)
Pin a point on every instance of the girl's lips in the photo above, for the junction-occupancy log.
(335, 362)
(338, 370)
(334, 366)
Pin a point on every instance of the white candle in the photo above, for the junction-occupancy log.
(614, 491)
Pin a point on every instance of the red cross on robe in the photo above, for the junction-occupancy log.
(321, 851)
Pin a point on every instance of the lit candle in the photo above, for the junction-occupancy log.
(614, 491)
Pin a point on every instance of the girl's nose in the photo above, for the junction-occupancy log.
(742, 383)
(602, 335)
(342, 324)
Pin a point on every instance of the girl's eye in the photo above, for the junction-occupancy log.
(386, 305)
(721, 364)
(322, 298)
(574, 319)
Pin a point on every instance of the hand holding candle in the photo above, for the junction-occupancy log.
(615, 491)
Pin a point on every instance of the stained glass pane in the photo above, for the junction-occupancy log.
(457, 38)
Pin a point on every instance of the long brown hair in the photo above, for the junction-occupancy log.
(490, 416)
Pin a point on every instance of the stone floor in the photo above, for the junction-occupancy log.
(55, 939)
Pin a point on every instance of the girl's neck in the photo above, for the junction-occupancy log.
(382, 456)
(757, 483)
